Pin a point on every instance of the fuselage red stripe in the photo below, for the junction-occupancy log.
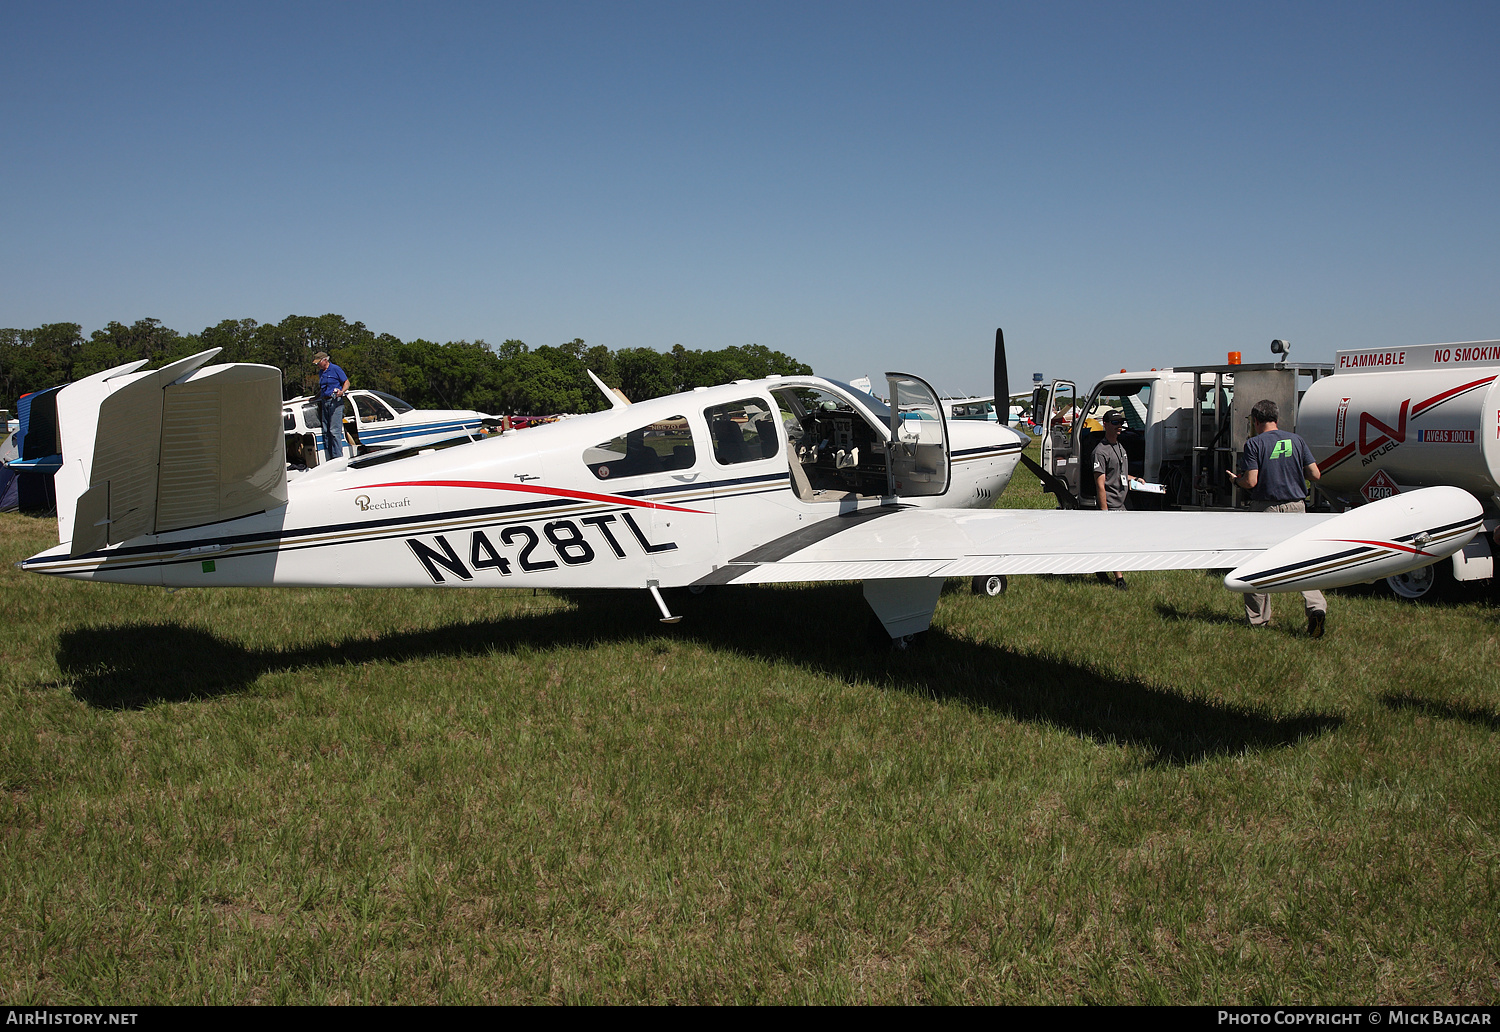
(558, 492)
(1382, 544)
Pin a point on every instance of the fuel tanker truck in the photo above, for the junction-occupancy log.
(1395, 419)
(1379, 421)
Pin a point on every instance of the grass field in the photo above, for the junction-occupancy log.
(1069, 795)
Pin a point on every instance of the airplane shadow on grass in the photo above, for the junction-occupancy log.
(823, 628)
(1168, 611)
(1443, 710)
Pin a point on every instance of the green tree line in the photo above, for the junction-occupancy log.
(511, 379)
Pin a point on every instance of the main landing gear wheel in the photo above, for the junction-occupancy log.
(1425, 584)
(880, 641)
(993, 585)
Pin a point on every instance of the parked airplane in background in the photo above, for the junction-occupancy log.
(973, 408)
(983, 407)
(374, 420)
(177, 477)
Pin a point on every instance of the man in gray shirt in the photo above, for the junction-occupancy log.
(1112, 473)
(1275, 468)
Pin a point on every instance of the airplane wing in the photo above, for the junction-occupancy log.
(900, 542)
(1267, 551)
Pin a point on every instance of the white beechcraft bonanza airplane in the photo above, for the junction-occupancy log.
(177, 477)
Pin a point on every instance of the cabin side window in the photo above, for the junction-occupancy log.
(743, 431)
(655, 448)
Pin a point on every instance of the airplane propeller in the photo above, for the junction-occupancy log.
(1002, 377)
(995, 584)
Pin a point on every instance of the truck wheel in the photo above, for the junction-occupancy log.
(1426, 584)
(993, 585)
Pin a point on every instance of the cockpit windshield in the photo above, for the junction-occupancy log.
(393, 401)
(865, 398)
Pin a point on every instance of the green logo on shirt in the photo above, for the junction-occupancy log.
(1283, 450)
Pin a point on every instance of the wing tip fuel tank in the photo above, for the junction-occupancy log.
(1394, 535)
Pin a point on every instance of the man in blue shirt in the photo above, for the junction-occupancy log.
(333, 383)
(1275, 468)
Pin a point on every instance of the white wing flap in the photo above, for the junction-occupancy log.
(791, 572)
(1093, 562)
(957, 542)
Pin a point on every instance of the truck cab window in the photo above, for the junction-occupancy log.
(1132, 399)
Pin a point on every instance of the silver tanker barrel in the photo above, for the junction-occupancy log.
(1399, 418)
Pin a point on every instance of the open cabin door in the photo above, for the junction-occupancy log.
(919, 460)
(1055, 411)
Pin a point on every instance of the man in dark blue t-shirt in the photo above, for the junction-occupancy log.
(1275, 468)
(333, 384)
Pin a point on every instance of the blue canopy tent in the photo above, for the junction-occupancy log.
(40, 453)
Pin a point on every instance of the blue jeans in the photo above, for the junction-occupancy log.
(331, 415)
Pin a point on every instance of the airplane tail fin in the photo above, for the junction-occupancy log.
(180, 446)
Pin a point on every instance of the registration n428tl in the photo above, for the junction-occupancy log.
(534, 547)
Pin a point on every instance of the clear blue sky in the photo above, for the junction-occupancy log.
(863, 185)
